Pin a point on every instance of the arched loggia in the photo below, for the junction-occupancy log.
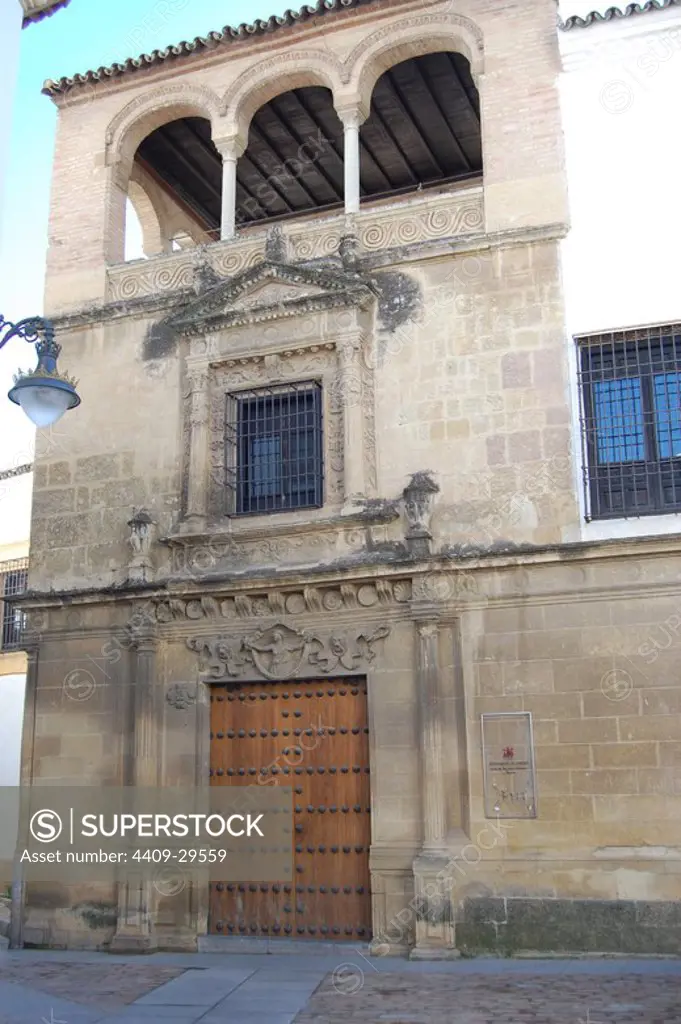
(424, 127)
(423, 130)
(180, 170)
(293, 162)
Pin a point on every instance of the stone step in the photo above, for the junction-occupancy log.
(237, 944)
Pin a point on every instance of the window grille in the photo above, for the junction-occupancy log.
(274, 449)
(13, 581)
(630, 385)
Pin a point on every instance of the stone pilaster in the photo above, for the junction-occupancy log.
(351, 390)
(434, 927)
(135, 927)
(430, 736)
(198, 401)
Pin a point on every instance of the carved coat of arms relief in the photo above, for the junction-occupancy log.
(280, 652)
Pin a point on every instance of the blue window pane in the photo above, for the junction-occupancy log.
(619, 420)
(667, 391)
(265, 463)
(302, 449)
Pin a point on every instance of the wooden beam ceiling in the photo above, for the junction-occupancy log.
(423, 130)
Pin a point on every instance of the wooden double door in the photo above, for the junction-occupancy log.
(314, 737)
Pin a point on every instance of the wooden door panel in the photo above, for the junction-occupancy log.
(312, 736)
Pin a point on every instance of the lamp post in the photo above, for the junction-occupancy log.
(43, 393)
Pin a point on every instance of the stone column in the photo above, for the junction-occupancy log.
(230, 150)
(198, 402)
(353, 113)
(351, 392)
(434, 929)
(135, 927)
(352, 163)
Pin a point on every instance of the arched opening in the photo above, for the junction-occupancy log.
(176, 185)
(293, 162)
(424, 127)
(423, 131)
(135, 248)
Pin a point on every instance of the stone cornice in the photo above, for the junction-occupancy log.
(373, 514)
(388, 567)
(164, 303)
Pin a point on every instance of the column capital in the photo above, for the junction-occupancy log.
(353, 114)
(231, 147)
(425, 614)
(427, 628)
(146, 642)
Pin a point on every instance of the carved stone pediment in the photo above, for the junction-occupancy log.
(268, 291)
(280, 652)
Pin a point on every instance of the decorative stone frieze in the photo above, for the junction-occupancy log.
(281, 652)
(379, 227)
(317, 600)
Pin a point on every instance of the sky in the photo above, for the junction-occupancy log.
(87, 34)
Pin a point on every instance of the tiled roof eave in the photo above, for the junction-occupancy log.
(615, 13)
(45, 12)
(202, 43)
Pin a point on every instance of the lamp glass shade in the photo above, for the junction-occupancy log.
(44, 405)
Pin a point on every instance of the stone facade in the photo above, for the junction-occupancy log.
(435, 326)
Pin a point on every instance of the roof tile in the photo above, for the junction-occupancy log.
(36, 10)
(614, 13)
(211, 41)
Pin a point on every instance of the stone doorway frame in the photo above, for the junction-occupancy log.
(365, 671)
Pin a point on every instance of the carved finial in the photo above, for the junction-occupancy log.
(276, 248)
(419, 502)
(141, 527)
(348, 250)
(205, 277)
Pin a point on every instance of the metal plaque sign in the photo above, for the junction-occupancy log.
(508, 765)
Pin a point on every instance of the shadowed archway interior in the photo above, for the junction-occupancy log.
(423, 131)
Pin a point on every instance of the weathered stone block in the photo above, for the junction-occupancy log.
(59, 474)
(97, 467)
(54, 503)
(516, 370)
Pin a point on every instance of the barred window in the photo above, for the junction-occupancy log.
(13, 581)
(274, 449)
(630, 386)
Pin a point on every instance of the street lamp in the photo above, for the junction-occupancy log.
(43, 393)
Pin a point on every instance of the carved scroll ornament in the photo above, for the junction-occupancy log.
(281, 652)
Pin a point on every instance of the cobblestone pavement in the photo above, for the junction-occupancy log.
(354, 994)
(102, 985)
(331, 987)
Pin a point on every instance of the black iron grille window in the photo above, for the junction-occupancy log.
(274, 449)
(13, 581)
(631, 422)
